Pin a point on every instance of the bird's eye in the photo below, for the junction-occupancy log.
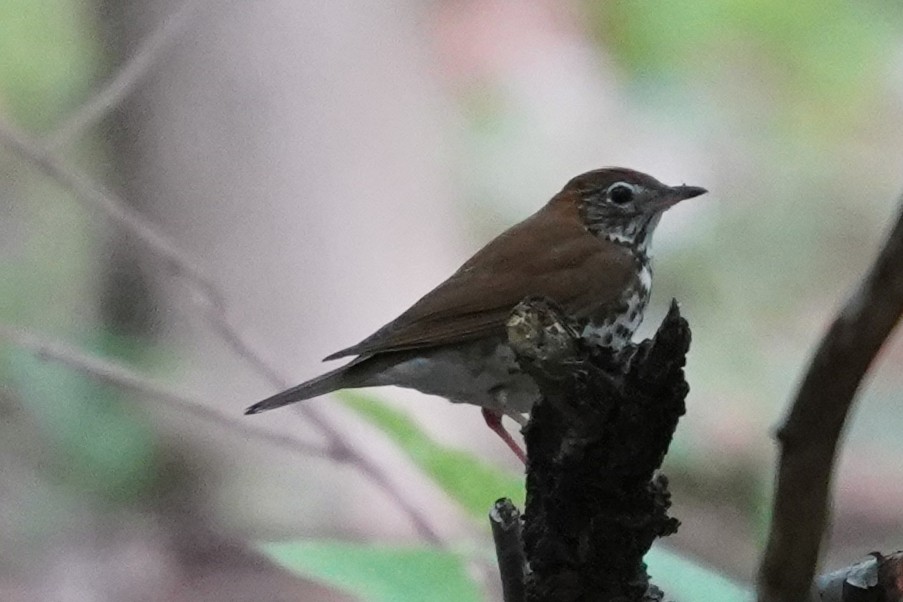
(620, 193)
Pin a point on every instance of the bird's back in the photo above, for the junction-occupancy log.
(549, 254)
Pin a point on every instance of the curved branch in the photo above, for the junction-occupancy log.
(96, 198)
(810, 434)
(509, 549)
(105, 203)
(127, 78)
(120, 376)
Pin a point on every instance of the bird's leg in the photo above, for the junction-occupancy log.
(493, 420)
(517, 417)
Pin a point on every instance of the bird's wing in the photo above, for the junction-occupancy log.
(549, 254)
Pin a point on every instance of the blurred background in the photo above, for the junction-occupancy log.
(323, 165)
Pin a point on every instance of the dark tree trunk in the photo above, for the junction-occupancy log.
(595, 501)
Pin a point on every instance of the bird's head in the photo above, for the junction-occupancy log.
(623, 205)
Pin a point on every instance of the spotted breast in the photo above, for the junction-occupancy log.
(616, 327)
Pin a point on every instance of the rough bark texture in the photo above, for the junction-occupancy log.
(595, 502)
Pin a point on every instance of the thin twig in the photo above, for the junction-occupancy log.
(811, 432)
(183, 264)
(104, 202)
(509, 549)
(340, 448)
(125, 80)
(120, 376)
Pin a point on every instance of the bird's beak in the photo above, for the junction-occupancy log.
(680, 193)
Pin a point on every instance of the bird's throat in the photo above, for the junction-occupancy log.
(634, 233)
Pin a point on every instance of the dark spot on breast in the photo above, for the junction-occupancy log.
(606, 340)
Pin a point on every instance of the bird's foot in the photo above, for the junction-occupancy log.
(493, 420)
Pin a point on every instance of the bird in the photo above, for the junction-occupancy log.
(587, 249)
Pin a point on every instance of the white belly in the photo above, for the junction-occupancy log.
(482, 373)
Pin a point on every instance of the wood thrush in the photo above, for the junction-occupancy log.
(587, 249)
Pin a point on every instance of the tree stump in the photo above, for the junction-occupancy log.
(595, 500)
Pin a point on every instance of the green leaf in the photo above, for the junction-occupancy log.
(683, 579)
(472, 483)
(101, 444)
(379, 573)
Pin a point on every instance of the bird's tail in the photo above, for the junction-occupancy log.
(345, 377)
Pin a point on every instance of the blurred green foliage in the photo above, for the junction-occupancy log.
(791, 82)
(49, 57)
(380, 573)
(100, 446)
(817, 62)
(472, 483)
(683, 579)
(94, 446)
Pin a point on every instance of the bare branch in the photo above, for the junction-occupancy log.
(104, 202)
(811, 432)
(340, 448)
(115, 374)
(127, 78)
(96, 198)
(509, 549)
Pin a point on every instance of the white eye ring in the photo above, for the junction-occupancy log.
(621, 193)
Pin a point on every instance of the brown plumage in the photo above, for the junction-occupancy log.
(586, 249)
(548, 254)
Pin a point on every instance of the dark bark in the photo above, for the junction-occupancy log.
(595, 502)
